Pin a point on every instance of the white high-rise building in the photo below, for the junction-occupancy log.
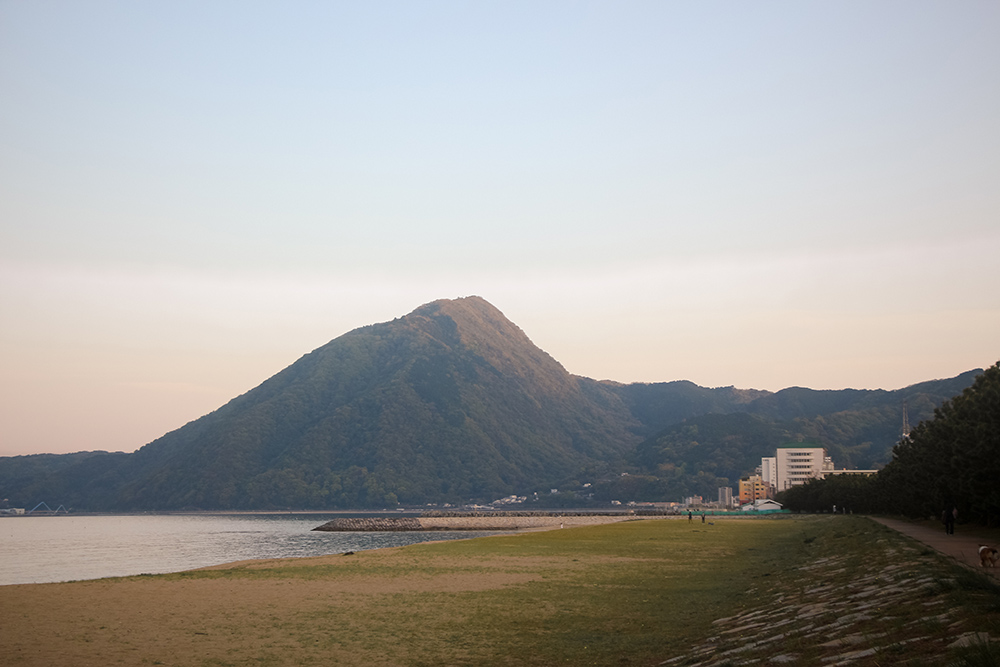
(796, 464)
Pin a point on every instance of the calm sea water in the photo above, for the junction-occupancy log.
(66, 548)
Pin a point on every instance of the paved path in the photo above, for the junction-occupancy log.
(963, 548)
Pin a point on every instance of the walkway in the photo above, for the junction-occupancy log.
(963, 548)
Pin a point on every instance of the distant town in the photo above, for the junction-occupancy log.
(792, 465)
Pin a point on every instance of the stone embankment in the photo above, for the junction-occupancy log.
(857, 607)
(477, 521)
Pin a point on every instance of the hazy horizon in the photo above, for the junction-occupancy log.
(770, 195)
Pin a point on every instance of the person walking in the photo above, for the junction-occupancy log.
(949, 520)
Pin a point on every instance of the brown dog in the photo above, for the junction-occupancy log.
(988, 556)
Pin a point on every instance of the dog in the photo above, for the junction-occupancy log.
(988, 556)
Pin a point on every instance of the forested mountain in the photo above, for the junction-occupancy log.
(448, 403)
(453, 403)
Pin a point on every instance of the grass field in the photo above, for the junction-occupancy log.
(800, 590)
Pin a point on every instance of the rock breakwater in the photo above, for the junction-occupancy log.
(372, 524)
(477, 521)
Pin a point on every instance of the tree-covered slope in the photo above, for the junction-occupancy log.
(857, 427)
(800, 402)
(81, 479)
(449, 403)
(660, 404)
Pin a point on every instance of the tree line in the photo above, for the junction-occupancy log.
(951, 461)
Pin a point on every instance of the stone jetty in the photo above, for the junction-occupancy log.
(471, 521)
(372, 524)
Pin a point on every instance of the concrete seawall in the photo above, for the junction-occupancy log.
(480, 522)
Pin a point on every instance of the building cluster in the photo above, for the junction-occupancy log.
(791, 465)
(727, 502)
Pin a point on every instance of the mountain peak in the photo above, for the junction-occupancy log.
(481, 328)
(472, 315)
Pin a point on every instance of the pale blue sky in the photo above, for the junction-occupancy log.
(193, 195)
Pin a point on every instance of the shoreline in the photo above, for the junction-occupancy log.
(497, 522)
(393, 512)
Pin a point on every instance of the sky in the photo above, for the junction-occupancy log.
(771, 194)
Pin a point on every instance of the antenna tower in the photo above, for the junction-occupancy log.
(906, 423)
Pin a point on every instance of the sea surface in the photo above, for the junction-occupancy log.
(46, 549)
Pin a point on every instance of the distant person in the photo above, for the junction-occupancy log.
(703, 517)
(689, 516)
(949, 520)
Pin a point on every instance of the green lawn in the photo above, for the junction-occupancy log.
(628, 593)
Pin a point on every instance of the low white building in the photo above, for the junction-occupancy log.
(763, 505)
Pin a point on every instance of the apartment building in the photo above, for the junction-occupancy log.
(752, 489)
(795, 464)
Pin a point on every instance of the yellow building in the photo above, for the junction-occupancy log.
(752, 489)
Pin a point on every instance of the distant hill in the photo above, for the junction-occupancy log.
(78, 480)
(453, 403)
(658, 405)
(857, 427)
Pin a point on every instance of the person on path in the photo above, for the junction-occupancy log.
(949, 520)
